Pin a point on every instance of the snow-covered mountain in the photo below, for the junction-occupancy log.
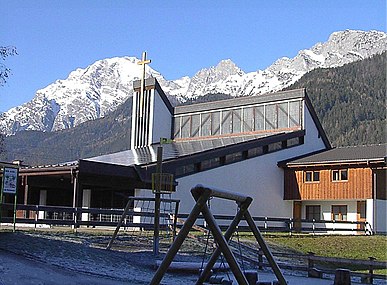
(90, 93)
(86, 94)
(341, 48)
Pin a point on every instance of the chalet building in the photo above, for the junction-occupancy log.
(341, 184)
(232, 144)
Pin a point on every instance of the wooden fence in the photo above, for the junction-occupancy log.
(96, 217)
(91, 217)
(315, 268)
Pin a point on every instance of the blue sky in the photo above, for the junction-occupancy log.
(54, 37)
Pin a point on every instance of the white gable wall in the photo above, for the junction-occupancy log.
(161, 119)
(258, 177)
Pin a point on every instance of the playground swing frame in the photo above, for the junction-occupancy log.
(201, 195)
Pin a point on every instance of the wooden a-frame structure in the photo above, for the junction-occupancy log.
(201, 195)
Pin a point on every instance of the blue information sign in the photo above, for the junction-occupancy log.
(10, 176)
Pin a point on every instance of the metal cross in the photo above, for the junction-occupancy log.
(143, 62)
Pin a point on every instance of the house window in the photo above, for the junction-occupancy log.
(340, 175)
(339, 213)
(312, 176)
(313, 212)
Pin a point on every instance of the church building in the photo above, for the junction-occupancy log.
(236, 145)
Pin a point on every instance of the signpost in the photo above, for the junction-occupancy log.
(9, 186)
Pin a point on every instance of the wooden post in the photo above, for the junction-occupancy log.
(342, 277)
(75, 193)
(310, 260)
(371, 270)
(179, 239)
(175, 220)
(25, 181)
(260, 259)
(126, 210)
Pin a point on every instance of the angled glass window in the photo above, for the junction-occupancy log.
(177, 133)
(195, 125)
(248, 119)
(206, 125)
(283, 115)
(270, 117)
(295, 112)
(215, 123)
(185, 126)
(236, 121)
(259, 118)
(226, 122)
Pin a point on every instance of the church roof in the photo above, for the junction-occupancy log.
(174, 150)
(141, 162)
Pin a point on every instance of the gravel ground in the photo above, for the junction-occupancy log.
(63, 257)
(66, 258)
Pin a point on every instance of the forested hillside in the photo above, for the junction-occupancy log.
(350, 100)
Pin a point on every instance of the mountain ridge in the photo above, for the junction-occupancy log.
(92, 92)
(349, 101)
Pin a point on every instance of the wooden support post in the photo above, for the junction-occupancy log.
(371, 271)
(201, 195)
(223, 245)
(25, 182)
(75, 193)
(342, 277)
(179, 239)
(310, 260)
(126, 210)
(175, 220)
(265, 249)
(228, 234)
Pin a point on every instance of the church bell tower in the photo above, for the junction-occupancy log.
(152, 113)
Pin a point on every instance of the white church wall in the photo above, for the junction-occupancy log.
(162, 119)
(258, 177)
(370, 212)
(381, 214)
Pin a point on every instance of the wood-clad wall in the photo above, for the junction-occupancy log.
(358, 185)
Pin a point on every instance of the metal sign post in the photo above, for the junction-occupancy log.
(9, 186)
(156, 234)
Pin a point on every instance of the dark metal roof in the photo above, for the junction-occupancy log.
(241, 101)
(353, 154)
(148, 155)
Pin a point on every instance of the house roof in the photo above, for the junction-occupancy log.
(352, 154)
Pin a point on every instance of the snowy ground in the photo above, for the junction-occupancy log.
(64, 258)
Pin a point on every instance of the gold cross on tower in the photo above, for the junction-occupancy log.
(143, 62)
